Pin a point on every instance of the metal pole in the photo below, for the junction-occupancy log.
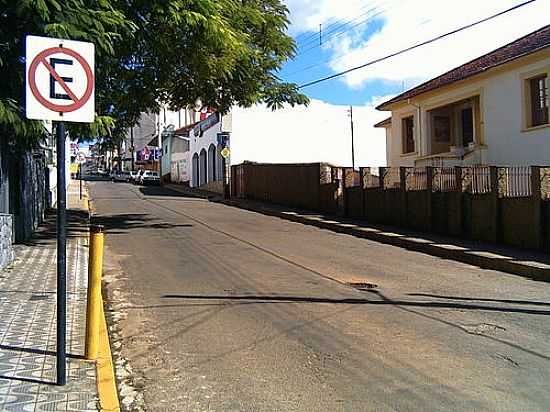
(61, 257)
(352, 141)
(132, 146)
(80, 175)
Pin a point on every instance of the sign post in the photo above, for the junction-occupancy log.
(81, 158)
(60, 87)
(61, 257)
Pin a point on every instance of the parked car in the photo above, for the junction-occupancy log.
(150, 178)
(137, 178)
(121, 177)
(133, 176)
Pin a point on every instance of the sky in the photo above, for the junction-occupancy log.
(354, 32)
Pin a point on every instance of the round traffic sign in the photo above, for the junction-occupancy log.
(78, 102)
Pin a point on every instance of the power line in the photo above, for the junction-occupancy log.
(432, 40)
(371, 18)
(329, 60)
(328, 26)
(336, 31)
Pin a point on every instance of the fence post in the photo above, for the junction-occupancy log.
(457, 228)
(497, 221)
(404, 197)
(429, 190)
(536, 199)
(381, 173)
(362, 186)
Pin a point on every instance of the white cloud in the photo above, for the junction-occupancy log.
(407, 22)
(306, 15)
(320, 132)
(411, 23)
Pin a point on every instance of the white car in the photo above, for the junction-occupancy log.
(148, 177)
(136, 177)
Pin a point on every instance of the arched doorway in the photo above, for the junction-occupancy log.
(212, 163)
(202, 168)
(195, 171)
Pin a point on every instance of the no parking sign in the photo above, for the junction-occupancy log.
(60, 80)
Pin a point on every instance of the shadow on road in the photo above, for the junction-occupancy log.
(164, 191)
(117, 224)
(355, 301)
(515, 302)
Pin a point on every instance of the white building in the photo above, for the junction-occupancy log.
(207, 140)
(493, 110)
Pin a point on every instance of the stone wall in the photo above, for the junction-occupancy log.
(6, 240)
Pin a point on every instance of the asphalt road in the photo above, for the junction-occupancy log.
(217, 308)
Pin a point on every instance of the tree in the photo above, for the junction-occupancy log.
(152, 52)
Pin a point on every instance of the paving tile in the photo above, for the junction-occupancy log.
(28, 324)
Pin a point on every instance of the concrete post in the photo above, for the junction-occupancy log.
(362, 186)
(493, 176)
(536, 199)
(403, 190)
(429, 190)
(95, 300)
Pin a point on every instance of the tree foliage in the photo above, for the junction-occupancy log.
(152, 52)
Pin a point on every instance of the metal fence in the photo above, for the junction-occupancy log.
(514, 181)
(444, 179)
(391, 177)
(371, 177)
(416, 178)
(476, 180)
(510, 182)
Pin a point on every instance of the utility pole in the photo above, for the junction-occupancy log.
(352, 141)
(320, 34)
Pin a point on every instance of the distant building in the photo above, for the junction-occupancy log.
(492, 110)
(207, 140)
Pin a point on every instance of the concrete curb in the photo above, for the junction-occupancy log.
(484, 260)
(105, 371)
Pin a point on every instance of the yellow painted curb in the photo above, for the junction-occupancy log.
(105, 372)
(106, 383)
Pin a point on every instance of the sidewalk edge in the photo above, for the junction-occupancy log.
(484, 262)
(106, 381)
(105, 371)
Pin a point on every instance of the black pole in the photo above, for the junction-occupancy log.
(132, 146)
(80, 175)
(61, 256)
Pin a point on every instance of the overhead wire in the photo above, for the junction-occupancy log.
(315, 35)
(417, 45)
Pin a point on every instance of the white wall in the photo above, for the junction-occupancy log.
(317, 133)
(502, 125)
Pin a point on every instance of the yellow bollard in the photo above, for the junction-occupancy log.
(95, 300)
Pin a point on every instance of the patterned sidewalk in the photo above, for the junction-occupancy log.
(28, 324)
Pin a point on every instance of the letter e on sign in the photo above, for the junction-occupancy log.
(60, 80)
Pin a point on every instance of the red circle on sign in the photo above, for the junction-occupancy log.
(41, 58)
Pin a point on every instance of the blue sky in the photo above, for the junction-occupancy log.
(357, 31)
(312, 61)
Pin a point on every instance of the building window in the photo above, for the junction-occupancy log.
(408, 134)
(442, 129)
(467, 118)
(538, 93)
